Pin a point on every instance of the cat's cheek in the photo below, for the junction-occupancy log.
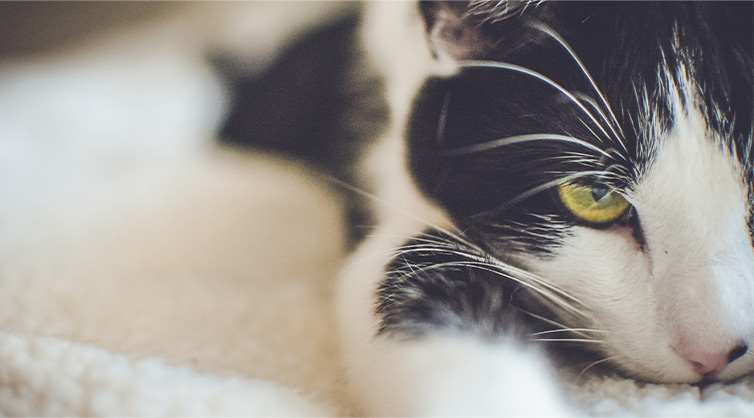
(596, 265)
(609, 272)
(693, 207)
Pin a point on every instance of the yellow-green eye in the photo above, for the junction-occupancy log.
(595, 205)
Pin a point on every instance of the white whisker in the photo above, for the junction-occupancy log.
(541, 288)
(492, 264)
(518, 139)
(573, 330)
(604, 360)
(541, 77)
(583, 97)
(568, 340)
(591, 131)
(542, 187)
(546, 29)
(396, 208)
(543, 319)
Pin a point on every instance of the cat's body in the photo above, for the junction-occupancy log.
(579, 181)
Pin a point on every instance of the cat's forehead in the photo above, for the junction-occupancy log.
(643, 54)
(637, 52)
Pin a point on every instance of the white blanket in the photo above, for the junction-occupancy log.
(143, 271)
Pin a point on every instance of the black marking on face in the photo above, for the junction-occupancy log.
(631, 50)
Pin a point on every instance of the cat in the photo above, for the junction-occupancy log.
(561, 186)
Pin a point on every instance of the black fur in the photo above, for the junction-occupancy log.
(624, 45)
(437, 283)
(318, 102)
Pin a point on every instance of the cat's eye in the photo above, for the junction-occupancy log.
(592, 204)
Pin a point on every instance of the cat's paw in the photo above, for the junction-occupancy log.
(455, 376)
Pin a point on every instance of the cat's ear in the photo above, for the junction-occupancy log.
(464, 30)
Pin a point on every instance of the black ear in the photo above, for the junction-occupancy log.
(465, 30)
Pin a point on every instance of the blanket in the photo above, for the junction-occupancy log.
(146, 271)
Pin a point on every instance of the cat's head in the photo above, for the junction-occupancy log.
(606, 147)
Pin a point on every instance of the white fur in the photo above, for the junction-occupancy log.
(692, 286)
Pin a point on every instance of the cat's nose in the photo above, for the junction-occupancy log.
(705, 362)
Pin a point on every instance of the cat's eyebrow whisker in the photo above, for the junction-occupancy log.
(591, 131)
(516, 273)
(549, 31)
(518, 139)
(617, 172)
(583, 97)
(538, 189)
(573, 155)
(539, 76)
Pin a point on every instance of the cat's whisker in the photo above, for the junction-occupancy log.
(539, 76)
(586, 334)
(543, 319)
(591, 131)
(518, 139)
(594, 363)
(571, 156)
(538, 189)
(490, 264)
(541, 288)
(549, 31)
(376, 199)
(404, 249)
(442, 120)
(584, 98)
(572, 330)
(568, 340)
(590, 101)
(353, 262)
(530, 233)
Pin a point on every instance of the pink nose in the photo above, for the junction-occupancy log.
(712, 362)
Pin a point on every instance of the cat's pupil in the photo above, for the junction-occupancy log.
(599, 192)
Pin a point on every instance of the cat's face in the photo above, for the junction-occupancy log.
(606, 147)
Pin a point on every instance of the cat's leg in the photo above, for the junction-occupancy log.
(425, 335)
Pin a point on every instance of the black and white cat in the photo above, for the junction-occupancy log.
(580, 174)
(561, 185)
